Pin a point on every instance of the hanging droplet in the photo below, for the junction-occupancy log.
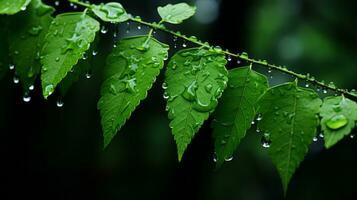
(324, 91)
(166, 96)
(321, 135)
(352, 136)
(84, 56)
(337, 122)
(139, 27)
(259, 117)
(94, 53)
(253, 122)
(16, 79)
(228, 159)
(26, 98)
(88, 75)
(11, 67)
(307, 85)
(57, 3)
(229, 58)
(265, 141)
(31, 87)
(215, 157)
(314, 139)
(184, 45)
(238, 61)
(103, 30)
(127, 27)
(59, 103)
(164, 85)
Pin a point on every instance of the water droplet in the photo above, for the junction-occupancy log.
(84, 56)
(139, 27)
(307, 85)
(190, 92)
(57, 3)
(259, 117)
(324, 91)
(104, 30)
(184, 45)
(166, 96)
(215, 157)
(337, 122)
(228, 159)
(203, 106)
(238, 61)
(94, 53)
(57, 59)
(31, 87)
(16, 79)
(26, 98)
(88, 75)
(11, 67)
(352, 136)
(229, 58)
(164, 85)
(265, 141)
(253, 122)
(49, 90)
(23, 8)
(59, 103)
(314, 139)
(321, 135)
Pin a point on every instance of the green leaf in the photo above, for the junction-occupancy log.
(11, 7)
(26, 40)
(175, 14)
(68, 38)
(131, 71)
(289, 118)
(195, 79)
(110, 12)
(236, 110)
(339, 116)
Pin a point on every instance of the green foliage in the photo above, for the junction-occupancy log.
(175, 14)
(68, 38)
(236, 110)
(195, 79)
(131, 71)
(289, 120)
(11, 7)
(111, 12)
(26, 40)
(339, 116)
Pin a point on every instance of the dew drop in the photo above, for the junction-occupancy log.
(166, 95)
(352, 136)
(104, 30)
(265, 141)
(84, 56)
(57, 3)
(88, 75)
(259, 118)
(184, 45)
(337, 122)
(307, 85)
(324, 91)
(321, 135)
(229, 58)
(31, 87)
(139, 27)
(59, 103)
(16, 79)
(26, 98)
(228, 159)
(94, 53)
(164, 85)
(215, 157)
(11, 67)
(314, 139)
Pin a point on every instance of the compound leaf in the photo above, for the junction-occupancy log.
(236, 110)
(289, 117)
(110, 12)
(339, 116)
(195, 80)
(175, 14)
(68, 38)
(11, 7)
(26, 40)
(131, 71)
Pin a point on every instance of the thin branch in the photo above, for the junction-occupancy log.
(242, 56)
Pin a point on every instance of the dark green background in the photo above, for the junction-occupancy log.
(55, 153)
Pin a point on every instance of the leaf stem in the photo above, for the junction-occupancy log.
(242, 56)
